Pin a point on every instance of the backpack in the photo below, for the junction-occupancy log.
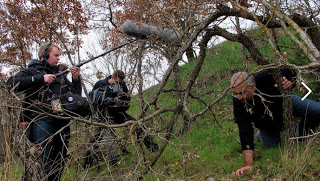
(74, 104)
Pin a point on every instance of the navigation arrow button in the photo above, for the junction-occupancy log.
(305, 96)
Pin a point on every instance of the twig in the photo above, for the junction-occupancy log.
(307, 136)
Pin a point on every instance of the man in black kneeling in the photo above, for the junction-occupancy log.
(111, 100)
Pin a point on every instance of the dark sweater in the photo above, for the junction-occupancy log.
(255, 111)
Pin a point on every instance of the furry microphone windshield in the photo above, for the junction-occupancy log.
(144, 31)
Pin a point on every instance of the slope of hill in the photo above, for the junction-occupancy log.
(199, 149)
(210, 147)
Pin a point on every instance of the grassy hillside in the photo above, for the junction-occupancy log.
(208, 148)
(211, 147)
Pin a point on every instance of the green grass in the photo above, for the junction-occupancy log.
(210, 151)
(211, 147)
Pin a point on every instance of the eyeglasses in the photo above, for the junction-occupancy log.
(235, 95)
(240, 93)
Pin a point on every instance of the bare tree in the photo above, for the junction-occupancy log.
(198, 22)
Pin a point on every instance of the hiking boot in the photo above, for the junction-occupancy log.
(113, 160)
(125, 151)
(150, 144)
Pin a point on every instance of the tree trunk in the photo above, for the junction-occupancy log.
(190, 54)
(243, 50)
(31, 158)
(288, 122)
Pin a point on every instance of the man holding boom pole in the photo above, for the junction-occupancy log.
(41, 86)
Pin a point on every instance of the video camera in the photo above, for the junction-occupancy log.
(111, 96)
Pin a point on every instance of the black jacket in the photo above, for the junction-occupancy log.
(100, 101)
(104, 82)
(37, 94)
(255, 110)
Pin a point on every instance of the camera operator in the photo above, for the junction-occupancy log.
(110, 97)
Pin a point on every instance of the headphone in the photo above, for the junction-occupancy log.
(46, 51)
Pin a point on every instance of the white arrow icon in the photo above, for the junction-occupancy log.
(305, 96)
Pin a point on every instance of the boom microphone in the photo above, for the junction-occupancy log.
(98, 56)
(139, 32)
(145, 30)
